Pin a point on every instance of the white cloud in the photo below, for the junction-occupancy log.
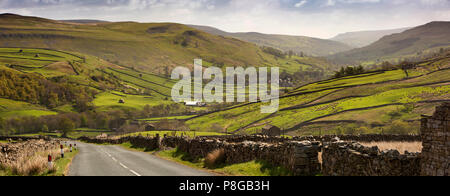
(301, 3)
(318, 18)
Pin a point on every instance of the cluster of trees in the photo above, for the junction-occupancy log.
(64, 123)
(163, 110)
(274, 52)
(349, 71)
(291, 53)
(108, 120)
(301, 77)
(34, 89)
(281, 54)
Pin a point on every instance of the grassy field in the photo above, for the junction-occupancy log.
(10, 108)
(46, 62)
(370, 98)
(108, 100)
(34, 58)
(167, 118)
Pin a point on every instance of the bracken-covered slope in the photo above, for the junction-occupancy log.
(152, 47)
(431, 36)
(298, 44)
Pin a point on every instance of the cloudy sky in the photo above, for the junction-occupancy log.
(316, 18)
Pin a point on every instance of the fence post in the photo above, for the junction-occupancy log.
(62, 151)
(50, 164)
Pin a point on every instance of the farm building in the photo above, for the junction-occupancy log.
(150, 127)
(195, 104)
(271, 130)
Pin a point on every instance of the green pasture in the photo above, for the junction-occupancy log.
(168, 118)
(107, 100)
(10, 108)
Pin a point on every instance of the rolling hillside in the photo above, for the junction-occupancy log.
(298, 44)
(427, 38)
(364, 38)
(149, 47)
(73, 71)
(367, 103)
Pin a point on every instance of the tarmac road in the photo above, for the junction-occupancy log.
(100, 160)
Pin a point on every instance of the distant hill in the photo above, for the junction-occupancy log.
(151, 47)
(425, 38)
(364, 38)
(85, 21)
(298, 44)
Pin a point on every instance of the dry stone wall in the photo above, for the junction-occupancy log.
(325, 138)
(352, 159)
(11, 152)
(23, 138)
(301, 158)
(365, 138)
(435, 132)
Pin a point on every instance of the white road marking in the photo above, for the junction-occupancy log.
(124, 166)
(135, 173)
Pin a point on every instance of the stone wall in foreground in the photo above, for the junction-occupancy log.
(352, 159)
(301, 158)
(11, 152)
(435, 132)
(325, 138)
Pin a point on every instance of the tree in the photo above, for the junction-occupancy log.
(290, 53)
(405, 65)
(53, 100)
(83, 104)
(66, 125)
(360, 69)
(44, 128)
(84, 120)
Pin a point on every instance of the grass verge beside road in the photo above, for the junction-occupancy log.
(63, 165)
(252, 168)
(37, 165)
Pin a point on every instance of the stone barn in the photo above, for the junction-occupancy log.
(150, 127)
(270, 130)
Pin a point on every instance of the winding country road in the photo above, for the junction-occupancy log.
(98, 160)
